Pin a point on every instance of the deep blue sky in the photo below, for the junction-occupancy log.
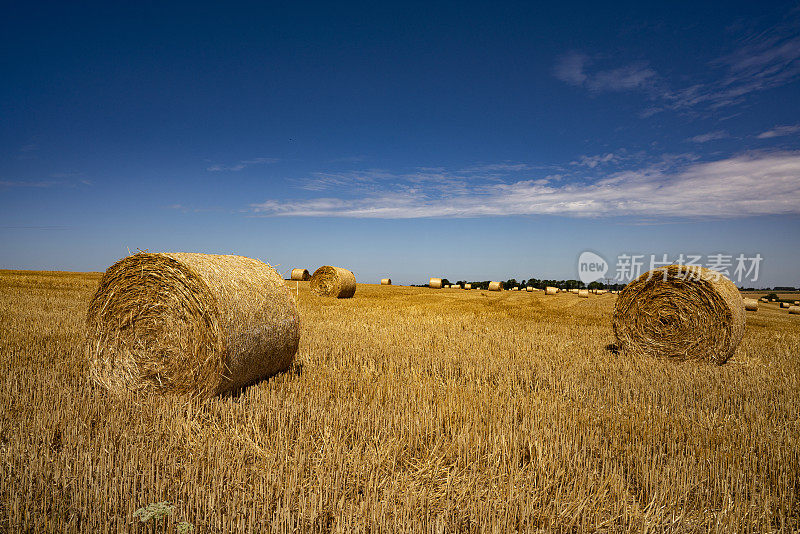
(405, 140)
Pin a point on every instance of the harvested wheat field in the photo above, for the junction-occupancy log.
(406, 409)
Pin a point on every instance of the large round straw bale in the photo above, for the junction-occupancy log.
(435, 283)
(794, 310)
(300, 274)
(386, 281)
(679, 311)
(583, 293)
(529, 289)
(329, 281)
(199, 324)
(467, 286)
(495, 286)
(456, 286)
(550, 290)
(785, 304)
(750, 304)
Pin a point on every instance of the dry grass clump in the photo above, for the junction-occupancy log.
(300, 275)
(583, 293)
(550, 290)
(495, 286)
(200, 324)
(750, 304)
(681, 312)
(435, 283)
(386, 281)
(329, 281)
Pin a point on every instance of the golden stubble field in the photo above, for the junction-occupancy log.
(408, 409)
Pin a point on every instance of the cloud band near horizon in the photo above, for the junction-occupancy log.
(745, 185)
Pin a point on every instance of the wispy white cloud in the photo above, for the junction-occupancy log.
(594, 161)
(767, 60)
(710, 136)
(21, 183)
(745, 185)
(572, 68)
(241, 165)
(30, 147)
(779, 131)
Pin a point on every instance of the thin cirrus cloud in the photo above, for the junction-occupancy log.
(779, 131)
(241, 165)
(745, 185)
(572, 68)
(768, 60)
(710, 136)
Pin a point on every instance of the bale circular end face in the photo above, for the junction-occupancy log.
(750, 304)
(583, 293)
(329, 281)
(550, 290)
(435, 283)
(196, 324)
(495, 286)
(794, 310)
(300, 275)
(682, 312)
(386, 281)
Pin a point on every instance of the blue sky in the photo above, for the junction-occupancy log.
(405, 140)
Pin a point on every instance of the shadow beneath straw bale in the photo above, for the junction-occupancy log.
(296, 370)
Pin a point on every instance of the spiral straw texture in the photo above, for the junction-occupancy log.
(328, 281)
(682, 312)
(197, 324)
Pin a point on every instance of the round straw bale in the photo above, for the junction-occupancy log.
(386, 281)
(529, 289)
(797, 303)
(329, 281)
(682, 312)
(467, 286)
(794, 310)
(197, 324)
(495, 286)
(750, 304)
(583, 293)
(300, 274)
(550, 290)
(435, 283)
(456, 286)
(785, 304)
(574, 291)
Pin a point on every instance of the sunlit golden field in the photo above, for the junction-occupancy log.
(408, 409)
